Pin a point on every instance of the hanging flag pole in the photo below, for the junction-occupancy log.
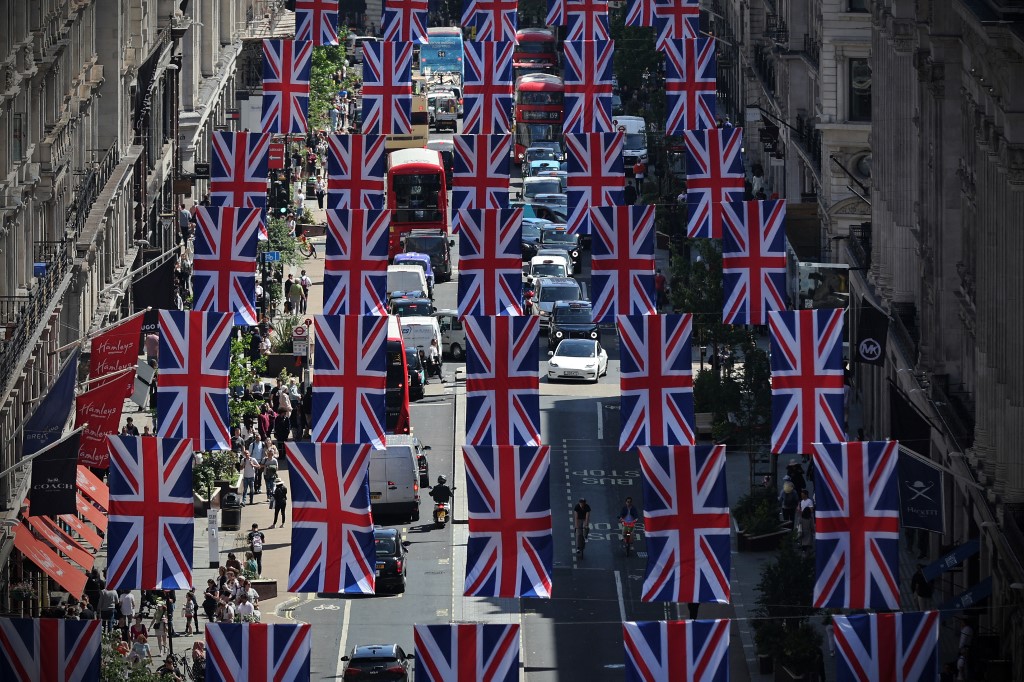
(43, 450)
(108, 376)
(87, 337)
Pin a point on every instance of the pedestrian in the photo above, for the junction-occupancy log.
(788, 501)
(159, 625)
(93, 587)
(280, 503)
(107, 607)
(805, 527)
(796, 474)
(250, 567)
(191, 612)
(140, 651)
(249, 467)
(321, 190)
(270, 464)
(233, 565)
(171, 601)
(227, 611)
(184, 221)
(137, 628)
(307, 284)
(210, 598)
(922, 589)
(297, 299)
(660, 289)
(435, 359)
(129, 428)
(126, 610)
(256, 539)
(265, 421)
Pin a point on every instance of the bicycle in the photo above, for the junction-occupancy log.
(582, 531)
(627, 535)
(306, 247)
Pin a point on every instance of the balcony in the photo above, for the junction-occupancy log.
(764, 67)
(808, 137)
(812, 51)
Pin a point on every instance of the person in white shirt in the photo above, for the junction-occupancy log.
(126, 608)
(245, 607)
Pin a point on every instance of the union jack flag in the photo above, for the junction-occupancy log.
(355, 268)
(286, 65)
(586, 20)
(332, 528)
(355, 171)
(509, 552)
(896, 647)
(656, 380)
(675, 20)
(238, 171)
(239, 652)
(714, 176)
(490, 264)
(495, 20)
(317, 21)
(488, 87)
(691, 82)
(192, 384)
(151, 525)
(405, 21)
(753, 260)
(664, 651)
(595, 176)
(622, 261)
(556, 13)
(480, 178)
(807, 379)
(387, 88)
(588, 86)
(224, 268)
(349, 366)
(640, 13)
(50, 650)
(857, 527)
(502, 381)
(686, 522)
(467, 652)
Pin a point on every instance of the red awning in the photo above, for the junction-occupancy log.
(66, 575)
(96, 489)
(49, 531)
(84, 531)
(91, 513)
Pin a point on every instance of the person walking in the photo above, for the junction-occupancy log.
(106, 606)
(126, 610)
(805, 527)
(321, 189)
(270, 465)
(191, 611)
(159, 626)
(922, 589)
(307, 284)
(297, 298)
(660, 289)
(210, 598)
(280, 503)
(93, 587)
(256, 539)
(788, 501)
(249, 467)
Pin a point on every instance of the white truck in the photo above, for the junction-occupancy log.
(634, 147)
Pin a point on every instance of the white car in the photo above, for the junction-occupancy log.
(578, 359)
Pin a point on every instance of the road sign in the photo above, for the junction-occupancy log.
(300, 340)
(276, 155)
(271, 256)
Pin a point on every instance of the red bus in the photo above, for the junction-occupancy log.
(535, 47)
(396, 405)
(417, 194)
(539, 105)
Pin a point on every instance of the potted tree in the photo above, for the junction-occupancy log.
(281, 358)
(756, 516)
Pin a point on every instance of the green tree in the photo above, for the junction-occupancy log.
(781, 629)
(243, 373)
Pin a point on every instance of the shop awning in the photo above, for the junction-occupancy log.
(63, 573)
(84, 531)
(91, 513)
(93, 487)
(49, 531)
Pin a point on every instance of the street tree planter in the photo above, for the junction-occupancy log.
(278, 362)
(266, 588)
(761, 542)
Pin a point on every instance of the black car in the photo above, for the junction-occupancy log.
(411, 307)
(571, 320)
(378, 662)
(417, 374)
(530, 240)
(391, 559)
(435, 244)
(556, 237)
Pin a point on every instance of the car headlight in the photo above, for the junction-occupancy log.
(574, 254)
(593, 334)
(553, 364)
(591, 365)
(558, 335)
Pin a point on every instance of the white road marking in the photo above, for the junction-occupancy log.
(618, 591)
(600, 422)
(344, 638)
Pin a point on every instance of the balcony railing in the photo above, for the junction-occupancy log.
(812, 51)
(764, 66)
(809, 137)
(84, 194)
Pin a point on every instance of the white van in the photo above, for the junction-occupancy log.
(395, 478)
(453, 334)
(548, 266)
(634, 146)
(354, 47)
(407, 278)
(418, 331)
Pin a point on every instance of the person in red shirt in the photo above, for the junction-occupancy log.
(660, 289)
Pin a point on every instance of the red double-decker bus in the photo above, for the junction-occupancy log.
(536, 49)
(539, 107)
(397, 383)
(416, 194)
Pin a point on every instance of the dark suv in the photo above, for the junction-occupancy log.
(437, 245)
(571, 320)
(378, 662)
(391, 561)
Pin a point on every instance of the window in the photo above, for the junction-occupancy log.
(859, 91)
(859, 6)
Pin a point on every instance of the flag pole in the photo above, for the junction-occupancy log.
(108, 376)
(45, 449)
(102, 331)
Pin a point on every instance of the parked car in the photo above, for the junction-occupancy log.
(391, 559)
(378, 662)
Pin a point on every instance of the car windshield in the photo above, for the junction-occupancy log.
(558, 200)
(410, 308)
(634, 141)
(356, 663)
(549, 270)
(558, 237)
(428, 245)
(385, 546)
(560, 293)
(412, 261)
(576, 349)
(412, 358)
(572, 316)
(547, 186)
(540, 154)
(530, 232)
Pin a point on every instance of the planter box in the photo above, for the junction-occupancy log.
(265, 588)
(286, 361)
(760, 543)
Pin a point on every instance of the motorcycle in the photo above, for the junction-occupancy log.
(441, 513)
(627, 535)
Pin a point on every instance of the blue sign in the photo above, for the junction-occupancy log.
(47, 422)
(954, 558)
(271, 256)
(920, 494)
(971, 597)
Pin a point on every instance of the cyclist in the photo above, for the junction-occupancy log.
(581, 516)
(629, 513)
